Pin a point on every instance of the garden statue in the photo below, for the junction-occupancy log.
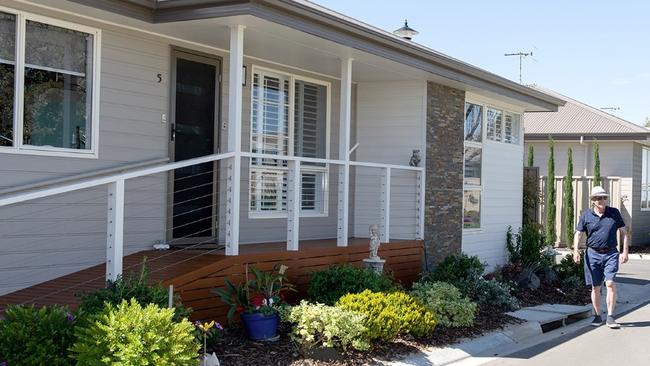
(374, 241)
(415, 158)
(374, 262)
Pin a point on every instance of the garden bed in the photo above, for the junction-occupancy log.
(241, 351)
(550, 294)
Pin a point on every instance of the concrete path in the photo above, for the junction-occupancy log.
(592, 346)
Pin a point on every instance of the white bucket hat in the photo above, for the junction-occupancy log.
(598, 191)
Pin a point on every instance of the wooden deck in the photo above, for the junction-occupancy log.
(194, 273)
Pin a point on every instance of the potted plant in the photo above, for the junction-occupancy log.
(257, 301)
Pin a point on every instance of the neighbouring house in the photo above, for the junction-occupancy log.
(624, 152)
(240, 132)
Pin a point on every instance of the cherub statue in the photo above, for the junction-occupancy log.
(374, 241)
(415, 158)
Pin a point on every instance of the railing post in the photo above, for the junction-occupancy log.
(115, 231)
(344, 152)
(419, 231)
(384, 226)
(293, 205)
(233, 189)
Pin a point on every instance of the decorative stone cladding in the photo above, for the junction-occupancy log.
(443, 213)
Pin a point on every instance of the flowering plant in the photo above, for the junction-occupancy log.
(263, 294)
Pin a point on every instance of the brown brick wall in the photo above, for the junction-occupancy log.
(444, 172)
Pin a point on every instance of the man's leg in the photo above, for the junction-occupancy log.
(595, 299)
(611, 297)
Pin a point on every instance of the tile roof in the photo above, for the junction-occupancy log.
(577, 118)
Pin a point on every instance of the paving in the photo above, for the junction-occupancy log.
(526, 343)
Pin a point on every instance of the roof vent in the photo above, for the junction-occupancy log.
(406, 32)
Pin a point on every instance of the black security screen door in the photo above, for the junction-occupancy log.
(193, 135)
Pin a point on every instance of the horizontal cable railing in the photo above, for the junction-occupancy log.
(311, 188)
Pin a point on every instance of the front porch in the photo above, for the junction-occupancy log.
(194, 273)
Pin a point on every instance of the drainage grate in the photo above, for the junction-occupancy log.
(632, 281)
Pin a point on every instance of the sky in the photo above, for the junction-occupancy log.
(594, 51)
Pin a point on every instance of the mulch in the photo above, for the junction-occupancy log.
(640, 249)
(233, 348)
(551, 294)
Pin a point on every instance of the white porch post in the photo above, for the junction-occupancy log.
(419, 233)
(293, 205)
(234, 138)
(385, 207)
(344, 152)
(115, 230)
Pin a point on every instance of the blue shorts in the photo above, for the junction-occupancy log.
(600, 267)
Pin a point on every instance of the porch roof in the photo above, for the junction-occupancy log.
(324, 23)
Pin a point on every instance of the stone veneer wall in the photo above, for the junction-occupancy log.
(443, 229)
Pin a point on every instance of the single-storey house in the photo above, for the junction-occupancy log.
(624, 153)
(222, 126)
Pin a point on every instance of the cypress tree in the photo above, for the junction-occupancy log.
(597, 180)
(531, 156)
(549, 230)
(567, 200)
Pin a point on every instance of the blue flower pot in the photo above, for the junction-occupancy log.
(259, 326)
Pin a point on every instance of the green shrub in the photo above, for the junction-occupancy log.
(136, 286)
(329, 285)
(390, 314)
(568, 268)
(36, 336)
(328, 326)
(489, 294)
(526, 246)
(449, 306)
(455, 268)
(133, 335)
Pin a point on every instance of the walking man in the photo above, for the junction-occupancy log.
(601, 224)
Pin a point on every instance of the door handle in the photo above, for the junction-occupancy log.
(172, 132)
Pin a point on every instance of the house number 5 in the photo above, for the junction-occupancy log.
(159, 76)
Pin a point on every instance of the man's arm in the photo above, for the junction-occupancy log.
(577, 237)
(626, 244)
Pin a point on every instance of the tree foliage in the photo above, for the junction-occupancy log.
(597, 179)
(549, 229)
(567, 198)
(531, 156)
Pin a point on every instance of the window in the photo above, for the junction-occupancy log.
(645, 179)
(289, 116)
(503, 126)
(56, 112)
(473, 158)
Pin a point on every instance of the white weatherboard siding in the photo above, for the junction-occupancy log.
(501, 202)
(390, 124)
(47, 238)
(641, 218)
(615, 157)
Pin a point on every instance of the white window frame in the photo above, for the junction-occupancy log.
(19, 82)
(646, 151)
(478, 145)
(304, 168)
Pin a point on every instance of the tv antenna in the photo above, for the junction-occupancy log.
(521, 59)
(611, 108)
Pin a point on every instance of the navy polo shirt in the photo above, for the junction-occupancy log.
(601, 230)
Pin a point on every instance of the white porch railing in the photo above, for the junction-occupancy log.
(116, 199)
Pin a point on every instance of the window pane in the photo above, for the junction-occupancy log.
(268, 190)
(494, 118)
(270, 118)
(313, 191)
(57, 87)
(57, 48)
(7, 38)
(472, 209)
(310, 120)
(7, 82)
(473, 122)
(473, 165)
